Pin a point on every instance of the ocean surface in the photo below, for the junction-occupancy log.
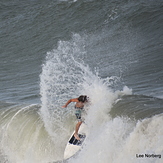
(54, 50)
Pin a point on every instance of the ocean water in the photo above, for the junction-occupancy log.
(54, 50)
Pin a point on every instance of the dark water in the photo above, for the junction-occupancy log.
(51, 51)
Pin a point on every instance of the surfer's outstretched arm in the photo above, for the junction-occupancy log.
(69, 101)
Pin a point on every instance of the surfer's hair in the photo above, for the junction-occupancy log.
(83, 98)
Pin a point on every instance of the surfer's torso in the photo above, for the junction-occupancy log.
(79, 105)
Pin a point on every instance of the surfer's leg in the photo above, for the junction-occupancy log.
(77, 129)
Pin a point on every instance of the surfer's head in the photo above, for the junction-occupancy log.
(83, 98)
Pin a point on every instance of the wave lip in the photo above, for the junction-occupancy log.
(23, 135)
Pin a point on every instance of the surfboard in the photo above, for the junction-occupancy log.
(74, 145)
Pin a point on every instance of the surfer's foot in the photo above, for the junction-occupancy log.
(76, 136)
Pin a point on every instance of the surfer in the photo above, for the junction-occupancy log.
(80, 101)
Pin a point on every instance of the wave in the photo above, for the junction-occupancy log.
(64, 76)
(39, 133)
(122, 140)
(23, 135)
(112, 138)
(137, 107)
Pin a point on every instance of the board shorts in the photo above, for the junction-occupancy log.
(78, 112)
(78, 116)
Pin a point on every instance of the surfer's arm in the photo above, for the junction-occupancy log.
(69, 101)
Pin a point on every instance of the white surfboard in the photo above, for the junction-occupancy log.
(74, 145)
